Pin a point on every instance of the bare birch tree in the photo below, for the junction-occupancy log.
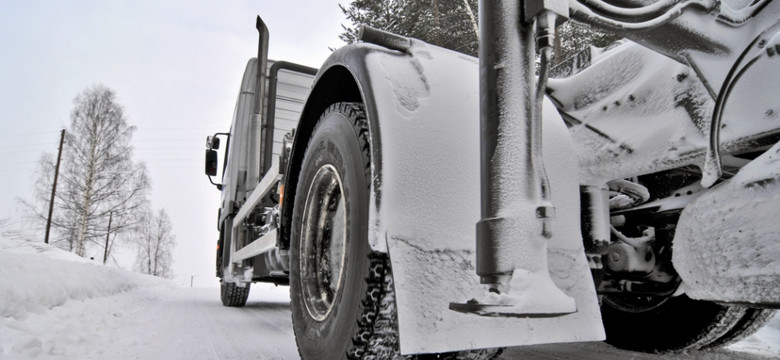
(97, 177)
(155, 242)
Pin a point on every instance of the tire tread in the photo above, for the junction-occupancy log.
(752, 321)
(376, 337)
(234, 295)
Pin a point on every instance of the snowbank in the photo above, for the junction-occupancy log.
(765, 342)
(35, 277)
(55, 306)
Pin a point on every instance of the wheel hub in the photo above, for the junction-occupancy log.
(323, 242)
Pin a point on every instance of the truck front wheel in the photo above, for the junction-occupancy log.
(341, 293)
(329, 249)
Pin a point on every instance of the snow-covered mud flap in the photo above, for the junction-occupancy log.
(417, 136)
(431, 247)
(428, 206)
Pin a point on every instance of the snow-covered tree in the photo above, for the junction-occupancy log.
(155, 242)
(452, 24)
(98, 178)
(573, 37)
(448, 23)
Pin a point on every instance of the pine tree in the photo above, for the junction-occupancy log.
(452, 24)
(575, 36)
(446, 23)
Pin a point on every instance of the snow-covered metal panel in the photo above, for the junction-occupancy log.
(727, 243)
(423, 109)
(635, 112)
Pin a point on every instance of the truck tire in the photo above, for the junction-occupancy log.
(753, 320)
(328, 250)
(341, 292)
(232, 294)
(642, 323)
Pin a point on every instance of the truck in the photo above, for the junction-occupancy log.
(420, 202)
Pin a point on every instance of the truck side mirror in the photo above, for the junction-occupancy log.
(211, 162)
(212, 142)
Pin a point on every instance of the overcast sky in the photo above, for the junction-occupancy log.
(175, 67)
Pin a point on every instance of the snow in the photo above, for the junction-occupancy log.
(641, 112)
(739, 11)
(532, 294)
(55, 306)
(430, 196)
(765, 342)
(51, 252)
(49, 281)
(726, 239)
(150, 318)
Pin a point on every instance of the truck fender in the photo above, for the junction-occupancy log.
(423, 116)
(342, 78)
(726, 246)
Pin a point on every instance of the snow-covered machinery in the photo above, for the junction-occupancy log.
(431, 202)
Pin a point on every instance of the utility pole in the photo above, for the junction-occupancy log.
(108, 232)
(54, 186)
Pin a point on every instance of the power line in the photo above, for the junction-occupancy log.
(23, 152)
(19, 163)
(24, 145)
(171, 140)
(174, 167)
(173, 159)
(215, 128)
(28, 134)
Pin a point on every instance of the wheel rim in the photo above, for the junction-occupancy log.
(323, 242)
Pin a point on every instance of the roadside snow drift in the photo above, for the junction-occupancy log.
(30, 283)
(53, 305)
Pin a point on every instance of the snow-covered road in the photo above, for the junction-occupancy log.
(163, 322)
(128, 316)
